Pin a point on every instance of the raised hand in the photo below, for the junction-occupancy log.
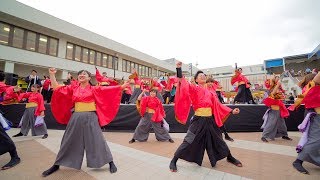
(52, 71)
(179, 64)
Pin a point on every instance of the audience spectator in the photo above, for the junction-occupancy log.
(32, 79)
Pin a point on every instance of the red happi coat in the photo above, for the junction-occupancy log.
(312, 98)
(275, 100)
(155, 104)
(34, 97)
(238, 77)
(102, 79)
(128, 89)
(9, 96)
(106, 98)
(199, 97)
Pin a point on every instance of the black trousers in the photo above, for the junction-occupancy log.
(6, 144)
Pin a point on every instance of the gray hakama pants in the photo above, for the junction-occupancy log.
(275, 126)
(135, 95)
(28, 121)
(83, 133)
(142, 130)
(311, 150)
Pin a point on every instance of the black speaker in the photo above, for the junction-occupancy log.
(11, 79)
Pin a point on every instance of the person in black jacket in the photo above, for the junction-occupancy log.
(32, 79)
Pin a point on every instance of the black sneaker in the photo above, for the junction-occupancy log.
(17, 135)
(13, 162)
(228, 138)
(298, 166)
(170, 140)
(286, 138)
(132, 141)
(51, 170)
(264, 139)
(45, 136)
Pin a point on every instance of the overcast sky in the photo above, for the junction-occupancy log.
(212, 33)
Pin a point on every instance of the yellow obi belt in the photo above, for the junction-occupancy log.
(204, 112)
(84, 107)
(275, 107)
(150, 110)
(31, 104)
(137, 86)
(317, 109)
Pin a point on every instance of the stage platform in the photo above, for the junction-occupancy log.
(249, 119)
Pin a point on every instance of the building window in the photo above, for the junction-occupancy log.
(69, 54)
(147, 71)
(4, 33)
(124, 65)
(85, 53)
(139, 70)
(17, 40)
(92, 56)
(98, 61)
(128, 66)
(136, 66)
(132, 66)
(53, 47)
(31, 41)
(110, 62)
(77, 54)
(105, 60)
(43, 41)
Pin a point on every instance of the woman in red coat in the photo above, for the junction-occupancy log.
(33, 116)
(93, 107)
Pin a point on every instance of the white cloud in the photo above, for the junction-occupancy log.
(212, 33)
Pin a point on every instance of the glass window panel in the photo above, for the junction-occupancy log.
(124, 65)
(4, 33)
(110, 62)
(43, 40)
(136, 66)
(77, 55)
(98, 61)
(132, 66)
(147, 71)
(92, 56)
(128, 66)
(69, 54)
(53, 47)
(31, 41)
(139, 69)
(105, 60)
(17, 37)
(85, 55)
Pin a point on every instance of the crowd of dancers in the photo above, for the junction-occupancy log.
(85, 108)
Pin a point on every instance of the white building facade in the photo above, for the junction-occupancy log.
(31, 39)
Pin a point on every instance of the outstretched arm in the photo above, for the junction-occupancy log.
(52, 74)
